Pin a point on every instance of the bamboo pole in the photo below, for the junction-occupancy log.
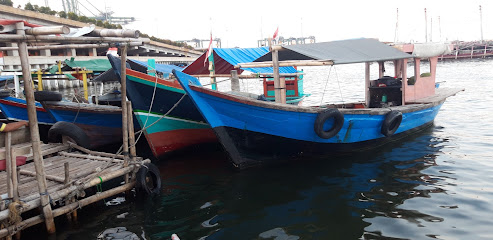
(367, 84)
(47, 30)
(33, 127)
(27, 38)
(13, 171)
(8, 163)
(94, 152)
(67, 209)
(123, 81)
(90, 157)
(115, 33)
(279, 83)
(235, 81)
(131, 131)
(286, 63)
(49, 177)
(64, 46)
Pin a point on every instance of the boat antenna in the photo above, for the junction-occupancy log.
(481, 22)
(426, 27)
(431, 29)
(396, 27)
(440, 28)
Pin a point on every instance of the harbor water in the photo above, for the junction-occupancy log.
(436, 184)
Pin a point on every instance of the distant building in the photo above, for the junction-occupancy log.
(199, 44)
(286, 41)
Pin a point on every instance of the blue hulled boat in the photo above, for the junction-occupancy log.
(257, 132)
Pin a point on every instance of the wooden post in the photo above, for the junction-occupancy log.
(212, 71)
(235, 81)
(40, 80)
(131, 131)
(404, 80)
(8, 167)
(123, 81)
(381, 69)
(84, 82)
(34, 130)
(279, 84)
(367, 84)
(13, 171)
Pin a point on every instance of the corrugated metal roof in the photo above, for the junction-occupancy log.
(340, 52)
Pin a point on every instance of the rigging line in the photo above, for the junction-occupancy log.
(166, 114)
(339, 84)
(325, 88)
(86, 8)
(150, 106)
(94, 7)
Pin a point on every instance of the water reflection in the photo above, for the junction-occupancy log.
(343, 197)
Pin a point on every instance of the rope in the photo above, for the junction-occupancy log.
(325, 88)
(339, 84)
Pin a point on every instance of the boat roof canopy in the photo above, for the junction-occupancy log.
(340, 52)
(225, 60)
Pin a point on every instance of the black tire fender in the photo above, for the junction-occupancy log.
(391, 123)
(325, 115)
(148, 179)
(42, 96)
(5, 93)
(70, 130)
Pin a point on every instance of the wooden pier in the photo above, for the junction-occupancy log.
(69, 171)
(50, 180)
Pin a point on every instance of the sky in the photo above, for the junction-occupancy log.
(242, 23)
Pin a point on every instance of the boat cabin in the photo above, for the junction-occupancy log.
(390, 89)
(387, 91)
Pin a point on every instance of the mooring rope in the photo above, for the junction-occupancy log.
(325, 88)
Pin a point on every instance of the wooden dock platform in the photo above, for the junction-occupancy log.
(69, 171)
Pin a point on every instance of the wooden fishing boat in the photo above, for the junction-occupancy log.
(15, 109)
(257, 132)
(169, 119)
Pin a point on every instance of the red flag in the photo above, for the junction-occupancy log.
(275, 33)
(209, 51)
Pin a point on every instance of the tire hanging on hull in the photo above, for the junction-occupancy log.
(391, 123)
(325, 115)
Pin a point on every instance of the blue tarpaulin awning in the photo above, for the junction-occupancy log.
(226, 58)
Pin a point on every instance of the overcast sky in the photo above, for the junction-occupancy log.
(242, 23)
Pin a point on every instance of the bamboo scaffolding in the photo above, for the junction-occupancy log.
(66, 209)
(33, 127)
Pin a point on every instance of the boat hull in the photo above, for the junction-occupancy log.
(153, 98)
(255, 132)
(16, 109)
(101, 123)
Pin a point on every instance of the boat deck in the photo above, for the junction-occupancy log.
(440, 94)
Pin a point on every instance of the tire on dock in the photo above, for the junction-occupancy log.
(5, 93)
(42, 96)
(148, 179)
(70, 130)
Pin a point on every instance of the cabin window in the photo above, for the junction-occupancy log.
(423, 71)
